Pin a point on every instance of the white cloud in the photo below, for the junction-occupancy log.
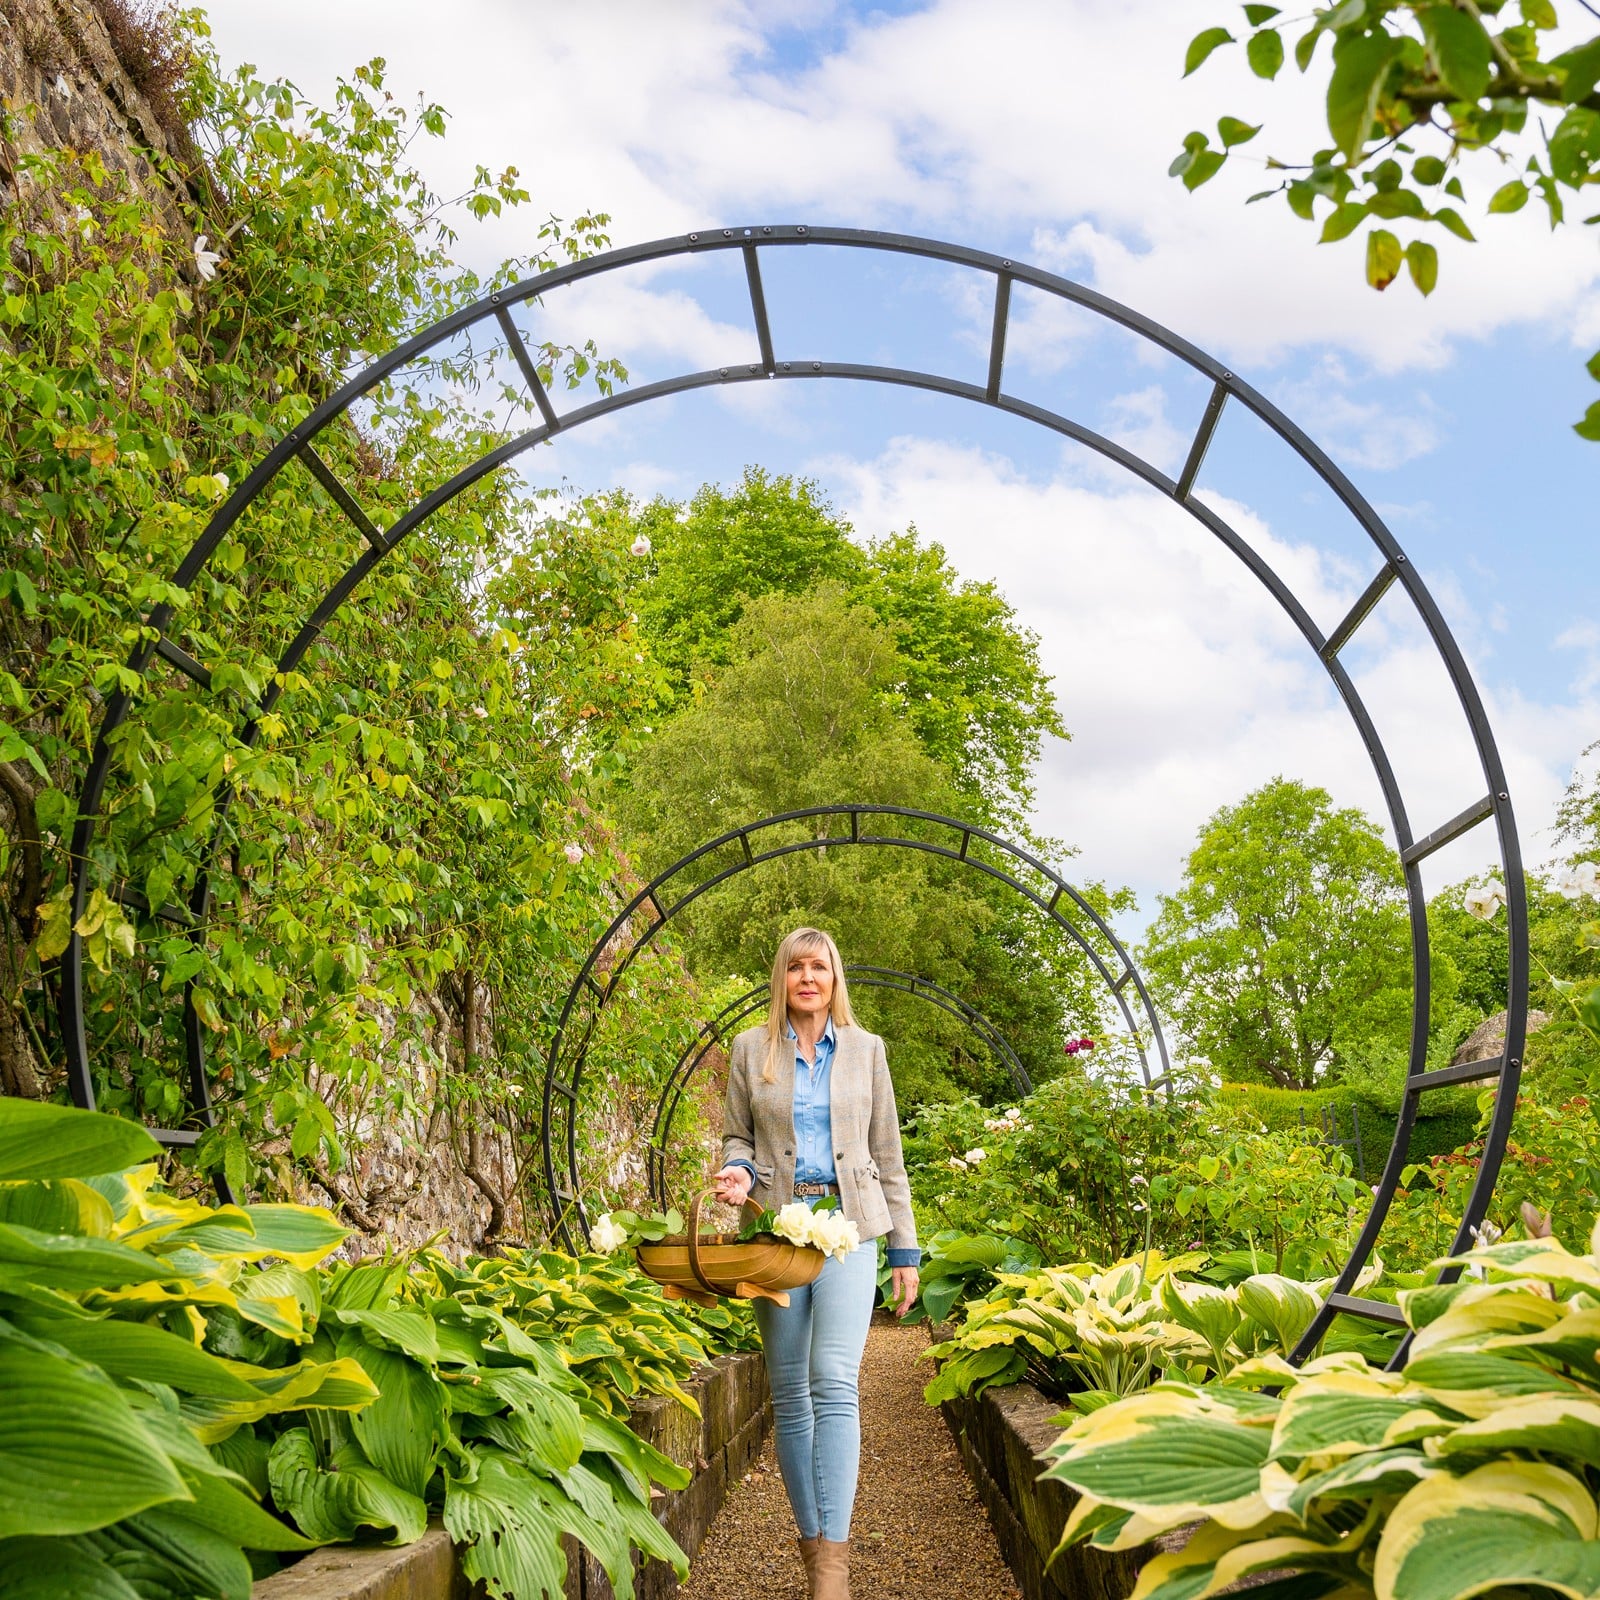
(1182, 682)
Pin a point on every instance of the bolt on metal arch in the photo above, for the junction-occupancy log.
(1391, 569)
(637, 925)
(719, 1032)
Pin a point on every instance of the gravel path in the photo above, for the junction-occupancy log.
(918, 1533)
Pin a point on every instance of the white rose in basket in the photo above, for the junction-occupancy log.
(793, 1222)
(607, 1236)
(833, 1233)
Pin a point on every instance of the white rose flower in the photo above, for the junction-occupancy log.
(975, 1156)
(794, 1222)
(833, 1233)
(1580, 879)
(1485, 901)
(956, 1164)
(640, 546)
(607, 1236)
(573, 853)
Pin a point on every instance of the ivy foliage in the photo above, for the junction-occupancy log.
(1422, 93)
(404, 855)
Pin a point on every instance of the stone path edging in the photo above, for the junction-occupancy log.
(735, 1415)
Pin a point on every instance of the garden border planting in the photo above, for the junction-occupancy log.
(735, 1414)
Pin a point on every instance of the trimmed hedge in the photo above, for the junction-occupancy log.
(1437, 1133)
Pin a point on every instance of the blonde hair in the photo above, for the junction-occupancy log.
(803, 941)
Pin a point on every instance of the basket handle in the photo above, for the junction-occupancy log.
(695, 1266)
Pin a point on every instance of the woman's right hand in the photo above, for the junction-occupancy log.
(732, 1185)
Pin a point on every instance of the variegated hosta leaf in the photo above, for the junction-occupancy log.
(1280, 1305)
(1480, 1383)
(1168, 1457)
(1572, 1341)
(1510, 1525)
(1550, 1424)
(1547, 1260)
(1345, 1413)
(1363, 1477)
(1217, 1557)
(1210, 1312)
(1480, 1312)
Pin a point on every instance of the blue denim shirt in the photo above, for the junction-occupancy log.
(813, 1125)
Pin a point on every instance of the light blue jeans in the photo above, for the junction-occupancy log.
(813, 1348)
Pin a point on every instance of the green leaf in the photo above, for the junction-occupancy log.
(403, 1427)
(302, 1235)
(332, 1506)
(38, 1140)
(1580, 69)
(1256, 15)
(1592, 366)
(508, 1530)
(1589, 428)
(54, 1569)
(1280, 1305)
(73, 1453)
(59, 1261)
(143, 1351)
(1264, 51)
(1204, 167)
(1460, 48)
(1383, 258)
(1202, 45)
(1233, 131)
(1539, 13)
(1170, 1462)
(1361, 64)
(1451, 219)
(1511, 196)
(1428, 170)
(1513, 1525)
(1423, 262)
(411, 1332)
(57, 1205)
(1575, 147)
(1342, 221)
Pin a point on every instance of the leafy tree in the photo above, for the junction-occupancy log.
(968, 679)
(1286, 946)
(805, 713)
(1447, 88)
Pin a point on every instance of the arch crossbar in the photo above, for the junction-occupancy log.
(720, 1030)
(636, 926)
(492, 313)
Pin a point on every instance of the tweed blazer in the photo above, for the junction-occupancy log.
(758, 1127)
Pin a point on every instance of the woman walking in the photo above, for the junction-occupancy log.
(810, 1112)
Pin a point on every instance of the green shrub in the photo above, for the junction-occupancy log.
(1436, 1133)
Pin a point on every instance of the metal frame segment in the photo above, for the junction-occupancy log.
(1006, 272)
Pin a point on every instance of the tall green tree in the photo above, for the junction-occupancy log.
(1285, 950)
(967, 679)
(1423, 95)
(806, 712)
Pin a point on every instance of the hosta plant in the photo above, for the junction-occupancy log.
(190, 1393)
(1092, 1334)
(958, 1268)
(1474, 1469)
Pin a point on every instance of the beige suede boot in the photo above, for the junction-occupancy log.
(830, 1575)
(808, 1554)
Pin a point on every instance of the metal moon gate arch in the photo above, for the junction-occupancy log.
(1391, 570)
(635, 927)
(721, 1029)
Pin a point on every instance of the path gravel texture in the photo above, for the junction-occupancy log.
(919, 1531)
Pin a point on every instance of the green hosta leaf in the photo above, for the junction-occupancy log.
(508, 1531)
(1343, 1414)
(403, 1427)
(411, 1332)
(1361, 1477)
(73, 1453)
(171, 1556)
(1165, 1459)
(1460, 48)
(332, 1506)
(554, 1418)
(1512, 1525)
(228, 1511)
(1551, 1424)
(61, 1262)
(54, 1569)
(143, 1351)
(1477, 1383)
(642, 1462)
(57, 1205)
(1265, 52)
(1282, 1306)
(616, 1522)
(1202, 45)
(1361, 64)
(308, 1386)
(38, 1140)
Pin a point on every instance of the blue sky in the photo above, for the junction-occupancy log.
(1011, 126)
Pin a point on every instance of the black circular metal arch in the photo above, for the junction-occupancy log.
(1392, 569)
(636, 926)
(720, 1030)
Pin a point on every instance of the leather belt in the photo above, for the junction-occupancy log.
(805, 1190)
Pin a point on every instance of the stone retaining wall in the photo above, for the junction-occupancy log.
(1001, 1435)
(735, 1414)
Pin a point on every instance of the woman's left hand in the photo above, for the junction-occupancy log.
(904, 1289)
